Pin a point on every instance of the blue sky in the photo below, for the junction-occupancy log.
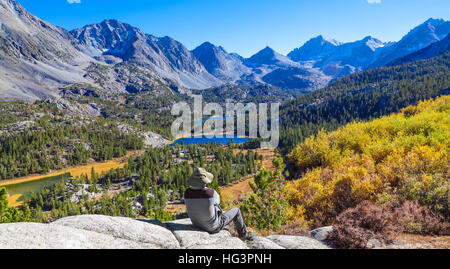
(246, 26)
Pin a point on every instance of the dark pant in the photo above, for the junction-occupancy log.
(234, 215)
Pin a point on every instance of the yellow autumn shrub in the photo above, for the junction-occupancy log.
(400, 157)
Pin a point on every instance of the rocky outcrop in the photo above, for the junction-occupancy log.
(193, 238)
(143, 232)
(150, 139)
(263, 243)
(154, 140)
(297, 242)
(104, 232)
(43, 236)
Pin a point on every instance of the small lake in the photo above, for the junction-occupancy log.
(204, 140)
(26, 188)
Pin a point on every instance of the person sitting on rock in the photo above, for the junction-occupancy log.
(204, 210)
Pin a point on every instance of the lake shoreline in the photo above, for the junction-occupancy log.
(205, 136)
(74, 170)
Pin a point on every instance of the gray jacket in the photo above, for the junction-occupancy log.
(203, 209)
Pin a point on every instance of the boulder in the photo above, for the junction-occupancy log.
(263, 243)
(44, 236)
(154, 140)
(374, 244)
(141, 231)
(191, 237)
(321, 234)
(297, 242)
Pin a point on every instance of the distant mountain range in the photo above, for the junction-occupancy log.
(339, 59)
(431, 51)
(37, 58)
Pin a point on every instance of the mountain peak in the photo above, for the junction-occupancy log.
(209, 46)
(319, 37)
(429, 32)
(314, 49)
(116, 24)
(267, 49)
(372, 43)
(111, 21)
(268, 56)
(430, 26)
(431, 51)
(224, 65)
(265, 53)
(321, 40)
(434, 21)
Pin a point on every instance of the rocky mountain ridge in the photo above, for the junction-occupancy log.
(339, 59)
(37, 59)
(433, 30)
(35, 56)
(431, 51)
(165, 56)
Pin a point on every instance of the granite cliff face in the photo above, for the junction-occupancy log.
(103, 232)
(35, 56)
(226, 66)
(165, 56)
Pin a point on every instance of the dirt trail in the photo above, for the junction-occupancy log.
(237, 191)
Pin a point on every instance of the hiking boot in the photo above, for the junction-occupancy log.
(249, 236)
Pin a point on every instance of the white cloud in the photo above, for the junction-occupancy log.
(374, 1)
(74, 1)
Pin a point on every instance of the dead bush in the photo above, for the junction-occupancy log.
(356, 226)
(417, 219)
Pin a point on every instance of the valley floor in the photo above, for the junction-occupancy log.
(233, 193)
(238, 190)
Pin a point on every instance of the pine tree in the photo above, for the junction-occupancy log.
(266, 208)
